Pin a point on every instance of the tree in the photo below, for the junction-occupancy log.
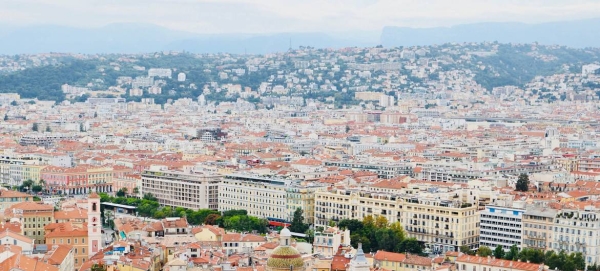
(410, 245)
(136, 190)
(354, 225)
(368, 222)
(499, 252)
(5, 116)
(48, 129)
(149, 196)
(212, 219)
(381, 222)
(26, 185)
(35, 127)
(122, 192)
(81, 128)
(484, 251)
(37, 188)
(512, 254)
(522, 183)
(298, 222)
(397, 228)
(14, 103)
(95, 114)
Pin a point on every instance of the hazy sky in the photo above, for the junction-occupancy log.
(263, 16)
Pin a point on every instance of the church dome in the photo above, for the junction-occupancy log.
(285, 256)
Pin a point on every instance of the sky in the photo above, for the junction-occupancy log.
(272, 16)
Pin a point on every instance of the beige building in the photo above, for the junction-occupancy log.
(175, 188)
(303, 196)
(537, 227)
(34, 216)
(439, 220)
(443, 225)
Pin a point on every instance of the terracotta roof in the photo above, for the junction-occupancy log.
(389, 256)
(513, 265)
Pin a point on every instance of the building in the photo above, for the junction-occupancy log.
(94, 101)
(181, 77)
(34, 216)
(178, 189)
(159, 72)
(210, 134)
(8, 237)
(10, 197)
(353, 204)
(359, 262)
(327, 242)
(441, 224)
(86, 238)
(466, 262)
(61, 256)
(94, 224)
(401, 262)
(44, 140)
(78, 180)
(285, 257)
(69, 234)
(142, 82)
(578, 231)
(261, 197)
(303, 196)
(500, 226)
(537, 227)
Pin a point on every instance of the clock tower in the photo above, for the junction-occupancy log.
(94, 224)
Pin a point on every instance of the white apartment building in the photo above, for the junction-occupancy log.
(500, 226)
(180, 189)
(181, 77)
(327, 242)
(159, 72)
(578, 231)
(261, 197)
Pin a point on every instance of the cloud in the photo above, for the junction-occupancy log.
(263, 16)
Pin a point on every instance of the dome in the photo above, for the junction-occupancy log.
(285, 233)
(285, 256)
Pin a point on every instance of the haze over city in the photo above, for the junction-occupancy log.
(242, 135)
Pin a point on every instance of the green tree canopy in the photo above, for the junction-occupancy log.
(298, 224)
(522, 183)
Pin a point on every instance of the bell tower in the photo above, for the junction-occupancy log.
(94, 224)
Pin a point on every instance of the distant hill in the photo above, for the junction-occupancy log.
(140, 38)
(578, 34)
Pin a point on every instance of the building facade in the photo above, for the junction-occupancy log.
(261, 197)
(178, 189)
(441, 225)
(537, 227)
(578, 231)
(500, 226)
